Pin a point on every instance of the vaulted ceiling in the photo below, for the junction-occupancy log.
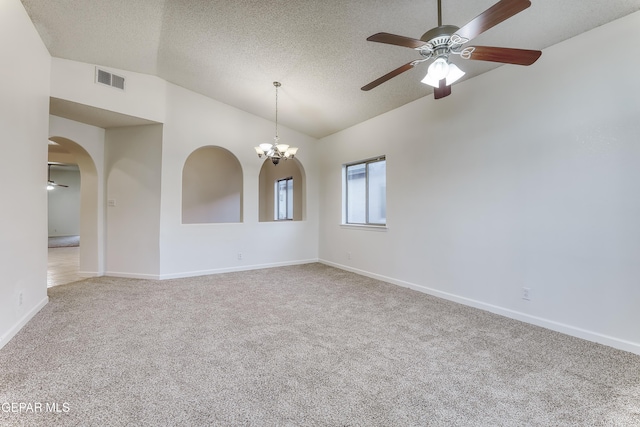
(232, 51)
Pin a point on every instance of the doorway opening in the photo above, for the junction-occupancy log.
(72, 213)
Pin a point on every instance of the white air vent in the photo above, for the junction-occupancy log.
(109, 79)
(117, 81)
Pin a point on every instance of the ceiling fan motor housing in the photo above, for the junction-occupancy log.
(439, 35)
(438, 41)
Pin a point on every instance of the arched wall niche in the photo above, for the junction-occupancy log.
(211, 187)
(72, 152)
(269, 174)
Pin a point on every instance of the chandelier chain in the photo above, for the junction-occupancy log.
(276, 151)
(277, 85)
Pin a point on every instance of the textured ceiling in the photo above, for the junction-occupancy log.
(232, 51)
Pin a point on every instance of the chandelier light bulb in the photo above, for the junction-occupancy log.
(454, 75)
(439, 68)
(265, 146)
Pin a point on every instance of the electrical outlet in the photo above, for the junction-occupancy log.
(239, 256)
(526, 294)
(348, 255)
(20, 299)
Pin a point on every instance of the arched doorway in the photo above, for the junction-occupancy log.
(66, 151)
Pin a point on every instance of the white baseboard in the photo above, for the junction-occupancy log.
(23, 321)
(620, 344)
(132, 275)
(234, 269)
(89, 274)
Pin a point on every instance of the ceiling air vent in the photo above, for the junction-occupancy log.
(109, 79)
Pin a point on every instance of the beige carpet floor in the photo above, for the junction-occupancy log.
(301, 345)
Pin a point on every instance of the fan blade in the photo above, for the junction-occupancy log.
(501, 54)
(443, 90)
(497, 13)
(388, 76)
(396, 40)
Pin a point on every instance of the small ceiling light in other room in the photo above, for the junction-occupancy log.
(50, 183)
(276, 151)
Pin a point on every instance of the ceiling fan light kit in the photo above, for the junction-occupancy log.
(451, 74)
(276, 151)
(445, 40)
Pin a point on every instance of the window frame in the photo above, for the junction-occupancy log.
(287, 203)
(367, 223)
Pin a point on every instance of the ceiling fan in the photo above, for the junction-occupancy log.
(445, 40)
(51, 184)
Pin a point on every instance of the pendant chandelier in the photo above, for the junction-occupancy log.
(276, 151)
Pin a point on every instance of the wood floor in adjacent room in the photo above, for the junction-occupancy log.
(64, 266)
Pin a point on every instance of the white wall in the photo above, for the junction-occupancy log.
(194, 121)
(144, 96)
(523, 177)
(133, 165)
(24, 105)
(63, 203)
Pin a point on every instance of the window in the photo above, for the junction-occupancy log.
(366, 192)
(284, 199)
